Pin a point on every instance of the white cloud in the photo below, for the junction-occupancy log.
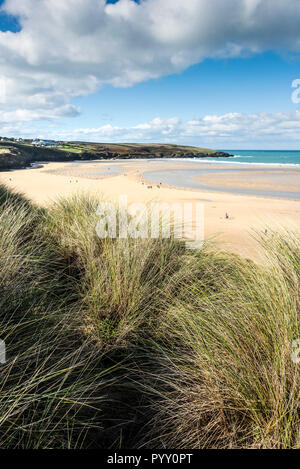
(228, 130)
(231, 130)
(70, 48)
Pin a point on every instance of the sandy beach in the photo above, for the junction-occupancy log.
(230, 218)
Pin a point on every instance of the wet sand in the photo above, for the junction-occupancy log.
(229, 217)
(275, 184)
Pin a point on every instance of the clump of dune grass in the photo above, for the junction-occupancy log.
(54, 388)
(223, 372)
(53, 385)
(121, 280)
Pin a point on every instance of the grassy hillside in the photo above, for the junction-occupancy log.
(134, 150)
(142, 343)
(18, 155)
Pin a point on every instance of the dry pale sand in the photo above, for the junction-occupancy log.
(246, 213)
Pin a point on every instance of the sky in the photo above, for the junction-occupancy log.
(215, 74)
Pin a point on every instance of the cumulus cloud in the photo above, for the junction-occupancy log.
(227, 130)
(70, 48)
(231, 130)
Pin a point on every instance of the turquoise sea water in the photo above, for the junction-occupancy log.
(244, 162)
(263, 157)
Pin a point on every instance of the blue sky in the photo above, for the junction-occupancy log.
(259, 83)
(8, 22)
(170, 103)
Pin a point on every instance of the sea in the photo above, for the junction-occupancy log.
(264, 157)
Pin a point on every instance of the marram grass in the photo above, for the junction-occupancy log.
(142, 343)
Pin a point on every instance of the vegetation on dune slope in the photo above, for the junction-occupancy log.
(226, 378)
(142, 343)
(53, 386)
